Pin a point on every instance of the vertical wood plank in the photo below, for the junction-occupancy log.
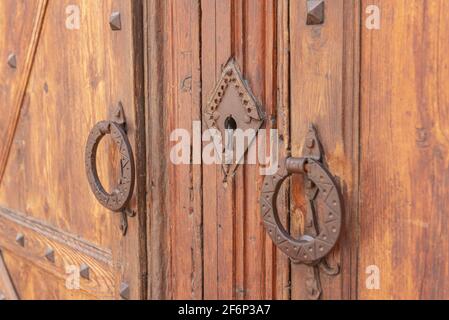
(131, 249)
(405, 151)
(282, 277)
(174, 102)
(218, 195)
(323, 86)
(240, 260)
(209, 76)
(157, 145)
(256, 55)
(238, 25)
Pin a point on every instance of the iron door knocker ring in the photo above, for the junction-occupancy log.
(118, 199)
(320, 187)
(323, 221)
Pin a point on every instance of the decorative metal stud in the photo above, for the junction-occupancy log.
(115, 21)
(85, 271)
(315, 12)
(50, 255)
(12, 61)
(124, 291)
(20, 240)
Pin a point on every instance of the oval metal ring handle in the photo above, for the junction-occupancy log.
(119, 198)
(321, 188)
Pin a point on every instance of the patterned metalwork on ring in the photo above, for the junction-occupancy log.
(325, 196)
(118, 199)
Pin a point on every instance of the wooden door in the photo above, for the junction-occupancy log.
(64, 68)
(211, 243)
(369, 75)
(371, 78)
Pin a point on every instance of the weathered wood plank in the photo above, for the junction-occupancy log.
(240, 260)
(65, 95)
(174, 102)
(183, 108)
(127, 83)
(7, 289)
(69, 251)
(218, 196)
(324, 92)
(282, 277)
(404, 187)
(157, 145)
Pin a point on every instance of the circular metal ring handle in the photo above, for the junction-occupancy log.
(118, 199)
(307, 249)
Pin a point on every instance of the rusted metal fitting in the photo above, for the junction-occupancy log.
(296, 165)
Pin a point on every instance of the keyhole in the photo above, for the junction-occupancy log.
(230, 123)
(230, 127)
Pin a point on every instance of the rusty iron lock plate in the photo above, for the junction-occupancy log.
(232, 106)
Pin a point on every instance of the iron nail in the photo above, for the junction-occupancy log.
(12, 61)
(50, 255)
(115, 21)
(84, 271)
(124, 291)
(315, 12)
(20, 239)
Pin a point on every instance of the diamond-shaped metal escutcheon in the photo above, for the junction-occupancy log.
(232, 105)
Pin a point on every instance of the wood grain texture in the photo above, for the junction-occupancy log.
(218, 198)
(69, 251)
(25, 52)
(38, 284)
(157, 144)
(77, 79)
(16, 41)
(240, 260)
(405, 151)
(184, 199)
(206, 239)
(174, 102)
(11, 221)
(282, 271)
(127, 48)
(7, 289)
(324, 88)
